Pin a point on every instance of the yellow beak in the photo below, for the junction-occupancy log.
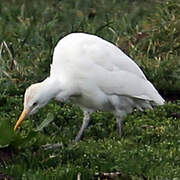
(23, 116)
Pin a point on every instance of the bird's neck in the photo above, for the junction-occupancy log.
(51, 87)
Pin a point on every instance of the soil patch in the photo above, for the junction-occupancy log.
(5, 177)
(6, 154)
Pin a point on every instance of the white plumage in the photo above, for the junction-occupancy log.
(96, 75)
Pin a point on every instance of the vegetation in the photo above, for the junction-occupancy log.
(150, 146)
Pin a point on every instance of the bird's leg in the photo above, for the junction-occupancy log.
(119, 125)
(86, 121)
(119, 121)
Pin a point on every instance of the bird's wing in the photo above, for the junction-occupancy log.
(128, 84)
(82, 57)
(79, 48)
(110, 57)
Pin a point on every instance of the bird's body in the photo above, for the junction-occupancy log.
(96, 75)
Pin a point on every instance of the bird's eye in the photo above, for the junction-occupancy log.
(35, 103)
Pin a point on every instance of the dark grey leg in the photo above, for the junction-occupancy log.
(85, 124)
(119, 120)
(119, 125)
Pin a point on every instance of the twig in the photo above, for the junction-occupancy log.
(8, 75)
(111, 175)
(13, 62)
(1, 48)
(79, 176)
(6, 46)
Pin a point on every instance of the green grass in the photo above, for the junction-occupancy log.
(149, 148)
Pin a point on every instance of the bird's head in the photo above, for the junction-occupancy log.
(35, 97)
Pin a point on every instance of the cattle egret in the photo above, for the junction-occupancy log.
(94, 74)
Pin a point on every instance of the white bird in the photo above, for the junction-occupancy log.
(94, 74)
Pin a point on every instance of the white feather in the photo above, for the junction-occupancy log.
(96, 75)
(93, 63)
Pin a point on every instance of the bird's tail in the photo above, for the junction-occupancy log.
(158, 101)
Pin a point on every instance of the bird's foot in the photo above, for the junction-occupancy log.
(52, 146)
